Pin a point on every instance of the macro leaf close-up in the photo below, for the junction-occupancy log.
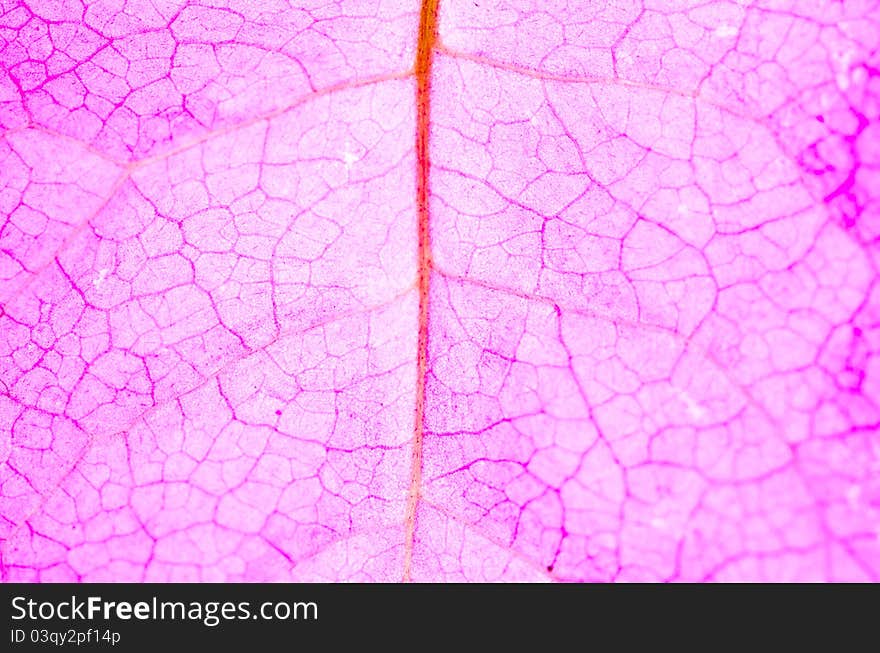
(442, 291)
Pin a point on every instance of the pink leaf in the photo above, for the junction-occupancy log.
(485, 291)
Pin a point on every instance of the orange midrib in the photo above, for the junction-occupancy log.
(424, 58)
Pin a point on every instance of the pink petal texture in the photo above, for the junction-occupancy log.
(453, 291)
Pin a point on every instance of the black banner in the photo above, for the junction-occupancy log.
(125, 617)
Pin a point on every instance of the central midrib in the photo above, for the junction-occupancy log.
(424, 57)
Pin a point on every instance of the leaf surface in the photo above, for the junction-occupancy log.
(464, 291)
